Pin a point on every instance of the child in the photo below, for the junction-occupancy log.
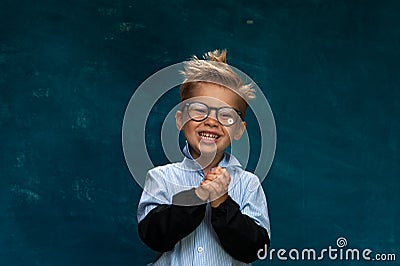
(206, 210)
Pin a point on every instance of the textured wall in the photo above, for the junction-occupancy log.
(68, 69)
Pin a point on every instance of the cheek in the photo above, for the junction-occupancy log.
(189, 127)
(229, 132)
(232, 132)
(187, 122)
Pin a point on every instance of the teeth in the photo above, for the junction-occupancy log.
(208, 135)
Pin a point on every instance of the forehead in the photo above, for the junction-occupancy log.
(216, 95)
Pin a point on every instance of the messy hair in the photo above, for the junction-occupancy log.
(214, 69)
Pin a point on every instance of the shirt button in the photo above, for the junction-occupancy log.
(200, 249)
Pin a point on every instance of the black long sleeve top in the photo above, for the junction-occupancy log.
(239, 235)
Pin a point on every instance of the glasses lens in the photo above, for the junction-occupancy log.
(197, 111)
(227, 116)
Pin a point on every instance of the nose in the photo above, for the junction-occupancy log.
(212, 119)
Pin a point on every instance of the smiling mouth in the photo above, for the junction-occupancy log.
(208, 136)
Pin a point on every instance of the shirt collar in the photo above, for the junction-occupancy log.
(189, 163)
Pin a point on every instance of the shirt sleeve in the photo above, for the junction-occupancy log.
(161, 224)
(243, 230)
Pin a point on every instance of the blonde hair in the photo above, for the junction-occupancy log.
(214, 69)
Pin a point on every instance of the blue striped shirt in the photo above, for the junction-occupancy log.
(202, 246)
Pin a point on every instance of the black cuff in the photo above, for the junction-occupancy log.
(226, 209)
(187, 198)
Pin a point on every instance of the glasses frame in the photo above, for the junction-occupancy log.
(217, 109)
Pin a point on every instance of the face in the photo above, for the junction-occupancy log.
(209, 137)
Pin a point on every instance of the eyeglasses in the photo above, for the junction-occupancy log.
(226, 116)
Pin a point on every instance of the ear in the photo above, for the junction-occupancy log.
(239, 130)
(178, 120)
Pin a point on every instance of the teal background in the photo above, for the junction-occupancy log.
(68, 69)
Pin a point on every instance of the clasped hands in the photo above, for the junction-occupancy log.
(214, 187)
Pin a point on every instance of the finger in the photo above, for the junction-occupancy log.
(215, 192)
(226, 176)
(223, 183)
(217, 188)
(222, 179)
(224, 171)
(205, 182)
(220, 170)
(216, 170)
(217, 179)
(210, 176)
(211, 190)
